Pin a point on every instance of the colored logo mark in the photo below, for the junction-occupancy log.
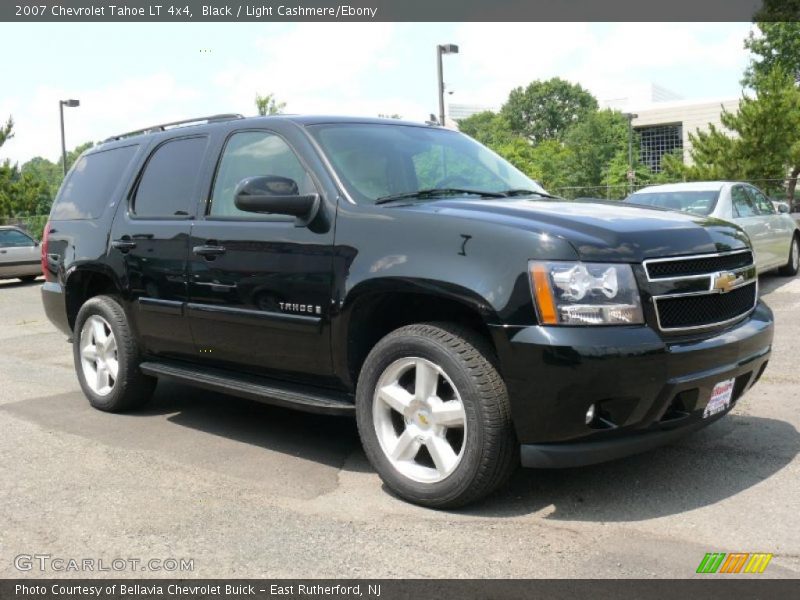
(735, 562)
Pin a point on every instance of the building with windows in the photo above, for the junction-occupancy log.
(664, 127)
(663, 119)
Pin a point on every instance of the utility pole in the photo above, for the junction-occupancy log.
(442, 49)
(631, 172)
(61, 105)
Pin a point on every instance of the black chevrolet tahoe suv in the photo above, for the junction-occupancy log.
(404, 274)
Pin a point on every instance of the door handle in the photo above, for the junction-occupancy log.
(209, 251)
(123, 244)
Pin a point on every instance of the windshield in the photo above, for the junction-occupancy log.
(381, 160)
(691, 201)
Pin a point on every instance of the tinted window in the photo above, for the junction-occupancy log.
(743, 204)
(11, 238)
(251, 154)
(374, 160)
(765, 207)
(167, 187)
(91, 183)
(696, 202)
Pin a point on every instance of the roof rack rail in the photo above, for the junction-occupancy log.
(165, 126)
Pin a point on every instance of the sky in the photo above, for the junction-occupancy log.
(128, 76)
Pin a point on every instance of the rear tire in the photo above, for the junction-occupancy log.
(107, 357)
(793, 264)
(450, 445)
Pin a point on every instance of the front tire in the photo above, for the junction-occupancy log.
(793, 264)
(434, 416)
(27, 278)
(106, 357)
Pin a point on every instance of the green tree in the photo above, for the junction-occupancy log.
(550, 165)
(492, 130)
(778, 10)
(765, 144)
(594, 142)
(268, 105)
(489, 128)
(544, 110)
(6, 131)
(776, 46)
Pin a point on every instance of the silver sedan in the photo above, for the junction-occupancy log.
(773, 232)
(20, 256)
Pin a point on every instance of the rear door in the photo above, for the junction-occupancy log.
(19, 254)
(748, 217)
(150, 237)
(260, 285)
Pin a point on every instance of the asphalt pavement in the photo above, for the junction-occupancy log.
(242, 489)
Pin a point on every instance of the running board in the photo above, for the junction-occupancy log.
(269, 391)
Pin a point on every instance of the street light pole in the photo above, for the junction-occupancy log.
(442, 49)
(61, 105)
(631, 117)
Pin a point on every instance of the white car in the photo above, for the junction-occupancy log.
(773, 232)
(20, 256)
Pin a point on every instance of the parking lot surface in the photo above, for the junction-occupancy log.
(248, 490)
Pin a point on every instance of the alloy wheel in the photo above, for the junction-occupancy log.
(98, 348)
(419, 420)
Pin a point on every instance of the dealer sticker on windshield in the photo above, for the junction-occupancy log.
(720, 398)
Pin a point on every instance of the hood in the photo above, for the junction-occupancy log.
(599, 230)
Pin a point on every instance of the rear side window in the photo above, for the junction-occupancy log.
(11, 238)
(167, 186)
(91, 184)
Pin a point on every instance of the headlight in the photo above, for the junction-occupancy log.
(576, 293)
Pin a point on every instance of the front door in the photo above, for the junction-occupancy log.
(260, 285)
(748, 217)
(780, 230)
(150, 237)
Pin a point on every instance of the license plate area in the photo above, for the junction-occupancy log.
(720, 400)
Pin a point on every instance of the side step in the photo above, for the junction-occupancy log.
(269, 391)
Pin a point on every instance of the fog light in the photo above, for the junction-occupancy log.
(590, 415)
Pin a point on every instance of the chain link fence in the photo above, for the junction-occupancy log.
(33, 224)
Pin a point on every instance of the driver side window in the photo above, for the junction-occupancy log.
(251, 154)
(743, 205)
(765, 207)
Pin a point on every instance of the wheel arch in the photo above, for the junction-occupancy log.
(378, 307)
(84, 282)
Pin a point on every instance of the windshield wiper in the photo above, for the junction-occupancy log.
(523, 192)
(436, 192)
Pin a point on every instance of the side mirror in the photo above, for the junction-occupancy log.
(276, 195)
(783, 208)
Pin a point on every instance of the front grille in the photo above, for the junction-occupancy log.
(698, 265)
(683, 312)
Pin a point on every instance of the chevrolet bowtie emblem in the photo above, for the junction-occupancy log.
(726, 281)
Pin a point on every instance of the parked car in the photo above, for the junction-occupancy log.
(20, 257)
(773, 232)
(407, 276)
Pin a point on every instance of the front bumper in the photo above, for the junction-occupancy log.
(649, 390)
